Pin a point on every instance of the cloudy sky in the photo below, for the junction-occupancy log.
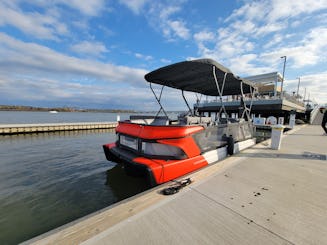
(95, 53)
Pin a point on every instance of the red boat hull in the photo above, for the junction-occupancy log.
(158, 171)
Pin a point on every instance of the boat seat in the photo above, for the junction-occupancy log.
(205, 120)
(149, 120)
(145, 121)
(191, 120)
(160, 121)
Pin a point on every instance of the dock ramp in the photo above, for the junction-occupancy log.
(316, 116)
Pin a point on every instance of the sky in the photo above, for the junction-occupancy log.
(95, 53)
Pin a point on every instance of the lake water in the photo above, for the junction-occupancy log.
(50, 179)
(13, 117)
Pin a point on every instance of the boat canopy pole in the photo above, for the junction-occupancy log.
(198, 100)
(158, 100)
(189, 108)
(247, 110)
(220, 91)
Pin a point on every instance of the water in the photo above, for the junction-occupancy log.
(13, 117)
(47, 180)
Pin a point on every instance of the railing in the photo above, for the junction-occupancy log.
(292, 98)
(313, 113)
(271, 96)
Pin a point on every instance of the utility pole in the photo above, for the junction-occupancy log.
(298, 86)
(281, 88)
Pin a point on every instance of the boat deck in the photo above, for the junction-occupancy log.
(259, 196)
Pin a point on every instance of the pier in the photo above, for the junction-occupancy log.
(259, 196)
(6, 129)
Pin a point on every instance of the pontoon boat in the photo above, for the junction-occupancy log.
(161, 149)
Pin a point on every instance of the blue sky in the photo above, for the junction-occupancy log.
(95, 53)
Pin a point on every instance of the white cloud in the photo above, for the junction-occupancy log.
(251, 11)
(134, 5)
(42, 91)
(86, 7)
(165, 61)
(160, 16)
(245, 27)
(143, 57)
(275, 40)
(165, 10)
(90, 48)
(271, 11)
(203, 36)
(247, 65)
(177, 28)
(30, 59)
(45, 26)
(255, 22)
(36, 74)
(45, 21)
(307, 52)
(310, 86)
(285, 9)
(270, 28)
(265, 17)
(231, 44)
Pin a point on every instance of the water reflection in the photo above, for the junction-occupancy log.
(122, 185)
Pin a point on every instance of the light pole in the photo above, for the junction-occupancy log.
(298, 86)
(281, 88)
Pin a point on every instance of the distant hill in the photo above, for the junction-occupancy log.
(59, 109)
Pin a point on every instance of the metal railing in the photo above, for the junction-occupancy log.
(313, 113)
(269, 96)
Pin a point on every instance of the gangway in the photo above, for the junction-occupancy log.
(316, 116)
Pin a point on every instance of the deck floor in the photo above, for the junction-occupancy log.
(259, 196)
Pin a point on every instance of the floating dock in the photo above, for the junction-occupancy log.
(6, 129)
(259, 196)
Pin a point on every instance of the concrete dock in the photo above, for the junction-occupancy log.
(52, 127)
(259, 196)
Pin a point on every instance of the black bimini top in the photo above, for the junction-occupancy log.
(197, 76)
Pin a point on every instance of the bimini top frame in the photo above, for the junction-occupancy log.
(197, 76)
(204, 76)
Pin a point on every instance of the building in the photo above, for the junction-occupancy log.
(269, 100)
